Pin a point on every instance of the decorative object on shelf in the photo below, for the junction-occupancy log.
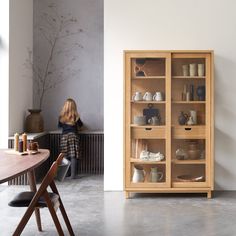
(154, 120)
(34, 121)
(158, 96)
(193, 114)
(155, 176)
(139, 174)
(201, 69)
(185, 69)
(139, 64)
(140, 120)
(181, 154)
(190, 121)
(188, 96)
(147, 96)
(183, 118)
(193, 69)
(151, 112)
(190, 178)
(193, 150)
(137, 96)
(184, 93)
(191, 92)
(151, 156)
(201, 93)
(139, 146)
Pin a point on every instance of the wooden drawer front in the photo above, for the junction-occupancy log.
(189, 132)
(148, 133)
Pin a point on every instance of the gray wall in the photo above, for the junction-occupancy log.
(83, 78)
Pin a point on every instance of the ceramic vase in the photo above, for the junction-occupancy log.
(34, 121)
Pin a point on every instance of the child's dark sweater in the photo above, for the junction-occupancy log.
(66, 128)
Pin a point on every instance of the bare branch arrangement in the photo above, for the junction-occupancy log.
(55, 29)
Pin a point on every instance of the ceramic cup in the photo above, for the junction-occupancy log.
(193, 69)
(147, 96)
(185, 70)
(158, 96)
(201, 69)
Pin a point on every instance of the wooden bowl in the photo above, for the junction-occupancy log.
(190, 178)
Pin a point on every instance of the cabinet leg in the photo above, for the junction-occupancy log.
(127, 195)
(209, 194)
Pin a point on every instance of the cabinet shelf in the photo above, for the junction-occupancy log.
(190, 162)
(149, 102)
(148, 77)
(189, 102)
(188, 77)
(136, 160)
(148, 126)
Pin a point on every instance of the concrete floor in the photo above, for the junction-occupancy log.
(95, 213)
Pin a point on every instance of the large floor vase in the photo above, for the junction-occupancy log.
(34, 121)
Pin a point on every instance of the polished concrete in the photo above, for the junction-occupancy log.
(95, 213)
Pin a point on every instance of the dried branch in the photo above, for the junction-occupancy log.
(53, 28)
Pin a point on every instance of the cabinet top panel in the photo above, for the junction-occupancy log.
(169, 51)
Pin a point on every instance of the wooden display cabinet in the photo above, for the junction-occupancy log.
(191, 93)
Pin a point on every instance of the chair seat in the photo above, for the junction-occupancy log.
(23, 199)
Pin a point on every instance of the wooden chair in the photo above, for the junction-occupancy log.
(42, 198)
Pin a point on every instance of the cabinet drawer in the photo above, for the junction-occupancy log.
(148, 132)
(189, 132)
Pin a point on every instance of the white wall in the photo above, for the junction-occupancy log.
(170, 24)
(20, 80)
(4, 71)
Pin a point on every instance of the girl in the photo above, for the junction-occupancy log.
(70, 122)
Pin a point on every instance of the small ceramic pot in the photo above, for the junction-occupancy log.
(201, 93)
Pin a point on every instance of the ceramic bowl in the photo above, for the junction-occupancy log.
(140, 120)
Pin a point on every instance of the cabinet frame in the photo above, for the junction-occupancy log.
(207, 132)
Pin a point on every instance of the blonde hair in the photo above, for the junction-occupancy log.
(69, 113)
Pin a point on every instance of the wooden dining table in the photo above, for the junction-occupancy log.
(13, 164)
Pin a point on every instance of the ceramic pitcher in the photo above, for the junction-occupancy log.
(155, 176)
(158, 96)
(137, 96)
(139, 174)
(147, 96)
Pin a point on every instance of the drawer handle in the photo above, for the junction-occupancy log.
(148, 128)
(187, 128)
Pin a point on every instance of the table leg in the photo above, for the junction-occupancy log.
(32, 183)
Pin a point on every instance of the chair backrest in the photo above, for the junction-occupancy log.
(49, 177)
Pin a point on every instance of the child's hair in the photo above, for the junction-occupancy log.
(69, 113)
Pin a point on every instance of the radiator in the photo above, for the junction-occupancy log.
(92, 151)
(92, 154)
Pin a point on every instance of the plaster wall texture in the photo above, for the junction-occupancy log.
(83, 77)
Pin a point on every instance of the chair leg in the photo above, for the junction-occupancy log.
(32, 183)
(53, 214)
(24, 220)
(62, 208)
